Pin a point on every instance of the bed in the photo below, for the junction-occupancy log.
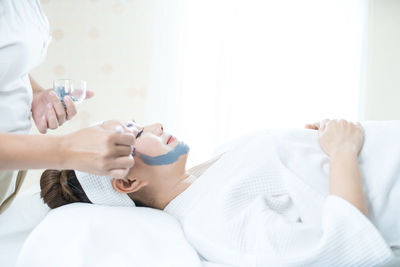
(88, 235)
(17, 222)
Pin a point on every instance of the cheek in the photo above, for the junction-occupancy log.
(150, 146)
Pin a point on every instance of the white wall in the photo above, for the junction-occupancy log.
(382, 96)
(106, 42)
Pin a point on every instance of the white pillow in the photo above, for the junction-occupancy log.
(16, 223)
(89, 235)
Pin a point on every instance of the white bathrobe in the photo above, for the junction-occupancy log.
(266, 202)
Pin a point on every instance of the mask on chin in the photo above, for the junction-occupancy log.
(169, 158)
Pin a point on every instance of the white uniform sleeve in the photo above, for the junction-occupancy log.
(345, 237)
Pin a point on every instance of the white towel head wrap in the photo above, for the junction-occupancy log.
(100, 191)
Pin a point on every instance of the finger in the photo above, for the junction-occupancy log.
(123, 151)
(118, 173)
(122, 163)
(71, 109)
(52, 122)
(124, 139)
(133, 131)
(124, 128)
(41, 124)
(360, 127)
(322, 124)
(362, 130)
(59, 108)
(132, 127)
(117, 126)
(119, 129)
(111, 124)
(314, 126)
(89, 94)
(326, 121)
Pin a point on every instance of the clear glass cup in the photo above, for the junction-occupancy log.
(75, 89)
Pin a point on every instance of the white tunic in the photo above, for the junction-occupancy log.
(266, 202)
(24, 37)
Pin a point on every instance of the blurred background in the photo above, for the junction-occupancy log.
(213, 70)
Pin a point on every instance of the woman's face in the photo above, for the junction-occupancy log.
(153, 141)
(160, 163)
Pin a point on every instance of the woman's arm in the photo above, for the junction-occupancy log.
(342, 142)
(30, 152)
(99, 149)
(345, 178)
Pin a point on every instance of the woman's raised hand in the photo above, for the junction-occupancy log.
(339, 135)
(101, 149)
(49, 113)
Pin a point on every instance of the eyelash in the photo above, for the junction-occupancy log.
(139, 134)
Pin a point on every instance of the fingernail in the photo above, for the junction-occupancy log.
(49, 105)
(52, 93)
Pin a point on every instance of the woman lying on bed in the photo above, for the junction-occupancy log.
(305, 197)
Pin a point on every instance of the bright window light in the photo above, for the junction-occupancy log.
(233, 67)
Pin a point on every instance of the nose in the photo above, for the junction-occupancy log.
(158, 129)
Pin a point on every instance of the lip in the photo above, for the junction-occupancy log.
(170, 140)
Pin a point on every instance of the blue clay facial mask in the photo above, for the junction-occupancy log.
(169, 158)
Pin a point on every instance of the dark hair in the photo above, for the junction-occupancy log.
(59, 188)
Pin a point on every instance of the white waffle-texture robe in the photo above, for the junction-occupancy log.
(266, 202)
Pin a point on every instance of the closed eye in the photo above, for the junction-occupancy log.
(139, 134)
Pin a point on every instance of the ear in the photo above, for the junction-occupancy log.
(129, 185)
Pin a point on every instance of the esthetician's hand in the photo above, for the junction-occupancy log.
(339, 135)
(100, 149)
(49, 113)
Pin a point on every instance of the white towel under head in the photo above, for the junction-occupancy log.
(100, 191)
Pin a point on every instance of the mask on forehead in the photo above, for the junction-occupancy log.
(169, 158)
